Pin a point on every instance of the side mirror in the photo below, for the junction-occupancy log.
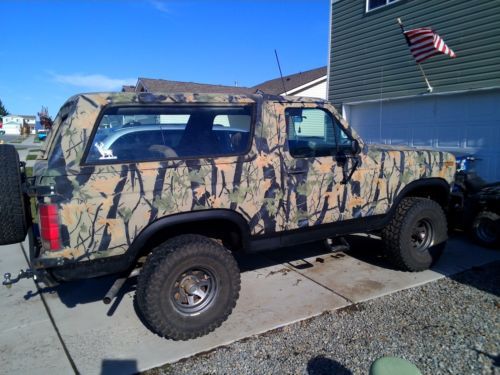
(355, 147)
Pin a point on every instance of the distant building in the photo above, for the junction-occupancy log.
(163, 85)
(12, 124)
(311, 83)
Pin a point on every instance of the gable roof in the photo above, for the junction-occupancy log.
(163, 85)
(127, 88)
(275, 86)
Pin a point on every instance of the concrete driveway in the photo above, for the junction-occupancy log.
(68, 328)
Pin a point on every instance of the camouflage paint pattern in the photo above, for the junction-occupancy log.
(102, 208)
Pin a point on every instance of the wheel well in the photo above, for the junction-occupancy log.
(435, 192)
(223, 230)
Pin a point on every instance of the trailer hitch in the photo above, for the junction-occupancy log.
(23, 274)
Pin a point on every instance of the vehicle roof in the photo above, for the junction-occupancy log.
(167, 97)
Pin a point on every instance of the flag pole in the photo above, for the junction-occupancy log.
(429, 87)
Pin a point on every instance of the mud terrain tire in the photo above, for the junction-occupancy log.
(416, 236)
(188, 287)
(485, 229)
(13, 218)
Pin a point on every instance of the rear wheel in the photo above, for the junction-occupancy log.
(486, 229)
(416, 236)
(188, 286)
(13, 215)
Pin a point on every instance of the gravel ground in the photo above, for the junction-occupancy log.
(451, 326)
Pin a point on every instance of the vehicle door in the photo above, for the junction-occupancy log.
(320, 157)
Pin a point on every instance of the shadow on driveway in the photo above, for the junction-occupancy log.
(365, 249)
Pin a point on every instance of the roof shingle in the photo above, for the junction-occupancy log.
(163, 85)
(275, 86)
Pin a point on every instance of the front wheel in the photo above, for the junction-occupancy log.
(188, 286)
(416, 236)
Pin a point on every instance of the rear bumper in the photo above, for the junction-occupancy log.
(37, 265)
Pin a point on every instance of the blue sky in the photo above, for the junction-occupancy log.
(50, 50)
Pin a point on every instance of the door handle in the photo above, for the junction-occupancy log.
(296, 171)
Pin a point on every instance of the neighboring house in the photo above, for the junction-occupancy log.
(163, 85)
(311, 83)
(376, 83)
(12, 123)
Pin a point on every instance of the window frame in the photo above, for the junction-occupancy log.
(335, 122)
(85, 163)
(387, 3)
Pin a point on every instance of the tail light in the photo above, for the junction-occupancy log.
(49, 227)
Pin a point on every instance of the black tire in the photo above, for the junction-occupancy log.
(13, 215)
(416, 236)
(485, 229)
(185, 262)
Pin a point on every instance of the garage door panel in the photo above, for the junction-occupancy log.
(481, 137)
(423, 136)
(461, 123)
(449, 136)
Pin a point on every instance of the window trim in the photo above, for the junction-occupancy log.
(96, 163)
(335, 122)
(387, 3)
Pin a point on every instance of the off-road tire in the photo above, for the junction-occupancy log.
(13, 216)
(160, 274)
(399, 234)
(487, 237)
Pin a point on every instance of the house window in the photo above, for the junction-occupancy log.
(375, 4)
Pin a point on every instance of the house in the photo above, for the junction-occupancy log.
(311, 83)
(12, 124)
(377, 85)
(163, 85)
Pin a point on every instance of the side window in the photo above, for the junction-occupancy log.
(148, 133)
(313, 132)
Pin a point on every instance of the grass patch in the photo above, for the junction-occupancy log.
(31, 157)
(29, 171)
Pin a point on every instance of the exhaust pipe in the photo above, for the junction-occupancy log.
(117, 286)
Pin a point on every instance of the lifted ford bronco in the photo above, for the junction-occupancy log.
(186, 180)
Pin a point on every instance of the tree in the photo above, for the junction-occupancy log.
(3, 110)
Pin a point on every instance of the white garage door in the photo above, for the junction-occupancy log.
(461, 123)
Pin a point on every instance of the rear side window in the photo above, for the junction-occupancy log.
(135, 134)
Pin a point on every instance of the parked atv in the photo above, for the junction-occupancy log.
(475, 204)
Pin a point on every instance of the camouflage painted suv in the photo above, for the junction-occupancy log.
(183, 181)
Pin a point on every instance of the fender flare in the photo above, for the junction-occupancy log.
(427, 183)
(190, 218)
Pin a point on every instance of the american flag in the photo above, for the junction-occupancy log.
(425, 43)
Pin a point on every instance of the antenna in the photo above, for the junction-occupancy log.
(281, 74)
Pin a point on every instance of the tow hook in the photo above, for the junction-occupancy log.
(23, 274)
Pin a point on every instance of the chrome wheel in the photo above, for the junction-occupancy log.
(194, 291)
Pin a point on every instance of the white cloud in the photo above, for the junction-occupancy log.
(160, 6)
(93, 81)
